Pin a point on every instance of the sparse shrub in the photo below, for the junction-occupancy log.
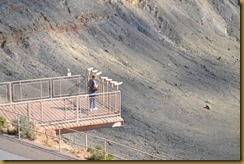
(98, 154)
(25, 127)
(109, 157)
(12, 131)
(90, 150)
(2, 122)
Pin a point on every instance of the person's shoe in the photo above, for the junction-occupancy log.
(95, 108)
(91, 109)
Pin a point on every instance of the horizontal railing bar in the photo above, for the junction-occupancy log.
(32, 82)
(46, 123)
(75, 120)
(59, 77)
(59, 98)
(89, 117)
(23, 99)
(4, 83)
(104, 139)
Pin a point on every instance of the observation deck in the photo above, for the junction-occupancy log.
(63, 102)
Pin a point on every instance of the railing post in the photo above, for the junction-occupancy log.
(118, 98)
(109, 106)
(114, 106)
(10, 92)
(77, 110)
(28, 111)
(115, 102)
(80, 104)
(108, 82)
(18, 126)
(51, 88)
(60, 88)
(88, 104)
(120, 103)
(41, 88)
(103, 89)
(41, 112)
(65, 111)
(20, 87)
(86, 141)
(79, 86)
(107, 94)
(59, 138)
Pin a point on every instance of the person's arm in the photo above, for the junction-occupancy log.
(95, 85)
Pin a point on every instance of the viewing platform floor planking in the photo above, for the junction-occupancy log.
(64, 114)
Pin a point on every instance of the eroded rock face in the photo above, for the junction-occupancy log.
(48, 137)
(170, 55)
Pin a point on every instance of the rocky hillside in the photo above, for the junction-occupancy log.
(174, 57)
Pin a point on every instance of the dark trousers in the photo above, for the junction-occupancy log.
(92, 98)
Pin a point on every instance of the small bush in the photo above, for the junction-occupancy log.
(90, 150)
(25, 127)
(99, 154)
(2, 122)
(12, 131)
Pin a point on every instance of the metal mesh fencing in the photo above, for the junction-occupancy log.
(4, 93)
(31, 90)
(68, 86)
(45, 88)
(68, 109)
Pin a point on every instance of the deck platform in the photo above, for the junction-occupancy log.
(62, 102)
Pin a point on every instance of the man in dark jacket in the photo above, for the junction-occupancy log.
(92, 88)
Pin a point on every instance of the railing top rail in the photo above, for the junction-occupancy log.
(39, 79)
(4, 83)
(58, 98)
(114, 142)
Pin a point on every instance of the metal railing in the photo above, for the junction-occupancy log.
(68, 109)
(49, 88)
(43, 88)
(120, 152)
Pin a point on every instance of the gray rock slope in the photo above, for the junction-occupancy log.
(174, 57)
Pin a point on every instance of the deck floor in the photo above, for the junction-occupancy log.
(63, 112)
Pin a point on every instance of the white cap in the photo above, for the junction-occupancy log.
(104, 77)
(99, 73)
(119, 83)
(114, 82)
(89, 69)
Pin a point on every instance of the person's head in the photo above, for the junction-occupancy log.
(93, 76)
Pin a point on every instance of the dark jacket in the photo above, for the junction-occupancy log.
(91, 86)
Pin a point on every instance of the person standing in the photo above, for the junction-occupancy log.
(92, 88)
